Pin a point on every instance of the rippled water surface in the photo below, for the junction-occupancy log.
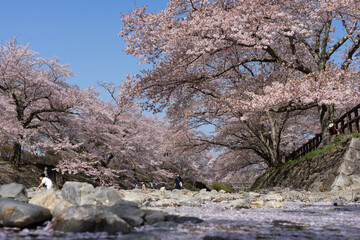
(296, 220)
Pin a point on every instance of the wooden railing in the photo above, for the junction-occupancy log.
(348, 123)
(306, 148)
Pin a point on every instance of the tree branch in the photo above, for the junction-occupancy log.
(341, 41)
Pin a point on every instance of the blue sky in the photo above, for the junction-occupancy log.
(82, 33)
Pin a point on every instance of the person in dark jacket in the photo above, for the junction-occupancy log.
(178, 184)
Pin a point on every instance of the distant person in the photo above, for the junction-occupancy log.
(45, 182)
(178, 184)
(143, 186)
(333, 130)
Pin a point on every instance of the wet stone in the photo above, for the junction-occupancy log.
(14, 213)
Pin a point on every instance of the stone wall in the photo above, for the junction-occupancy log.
(337, 169)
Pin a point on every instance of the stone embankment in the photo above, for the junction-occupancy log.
(79, 207)
(334, 170)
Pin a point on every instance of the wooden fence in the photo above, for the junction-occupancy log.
(348, 123)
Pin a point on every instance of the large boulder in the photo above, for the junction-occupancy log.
(74, 192)
(153, 216)
(137, 196)
(51, 200)
(13, 190)
(46, 199)
(101, 196)
(14, 213)
(31, 192)
(90, 218)
(61, 205)
(129, 211)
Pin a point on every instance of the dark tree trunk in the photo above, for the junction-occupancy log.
(327, 116)
(16, 155)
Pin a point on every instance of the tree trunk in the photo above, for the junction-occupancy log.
(327, 116)
(16, 155)
(276, 158)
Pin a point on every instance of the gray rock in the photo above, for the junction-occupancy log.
(189, 201)
(166, 203)
(204, 197)
(155, 216)
(46, 199)
(137, 196)
(61, 205)
(317, 187)
(14, 213)
(341, 181)
(238, 204)
(339, 203)
(356, 195)
(275, 204)
(254, 195)
(31, 192)
(89, 218)
(74, 192)
(293, 195)
(101, 196)
(15, 191)
(274, 197)
(129, 211)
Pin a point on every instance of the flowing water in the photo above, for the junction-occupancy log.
(296, 220)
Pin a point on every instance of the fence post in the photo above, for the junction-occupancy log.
(348, 119)
(356, 113)
(342, 125)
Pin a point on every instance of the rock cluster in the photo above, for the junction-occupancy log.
(79, 207)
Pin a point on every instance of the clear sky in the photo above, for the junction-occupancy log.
(82, 33)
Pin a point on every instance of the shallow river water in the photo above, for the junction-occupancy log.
(296, 220)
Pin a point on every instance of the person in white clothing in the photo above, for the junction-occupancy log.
(46, 182)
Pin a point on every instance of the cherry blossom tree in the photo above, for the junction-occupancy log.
(34, 96)
(106, 141)
(113, 142)
(253, 65)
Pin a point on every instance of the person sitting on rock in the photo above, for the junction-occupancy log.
(46, 182)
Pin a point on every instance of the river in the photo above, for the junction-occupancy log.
(296, 220)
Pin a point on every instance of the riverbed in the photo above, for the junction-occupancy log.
(295, 220)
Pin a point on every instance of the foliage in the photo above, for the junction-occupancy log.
(219, 186)
(190, 187)
(356, 135)
(322, 150)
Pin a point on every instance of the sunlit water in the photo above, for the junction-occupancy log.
(296, 220)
